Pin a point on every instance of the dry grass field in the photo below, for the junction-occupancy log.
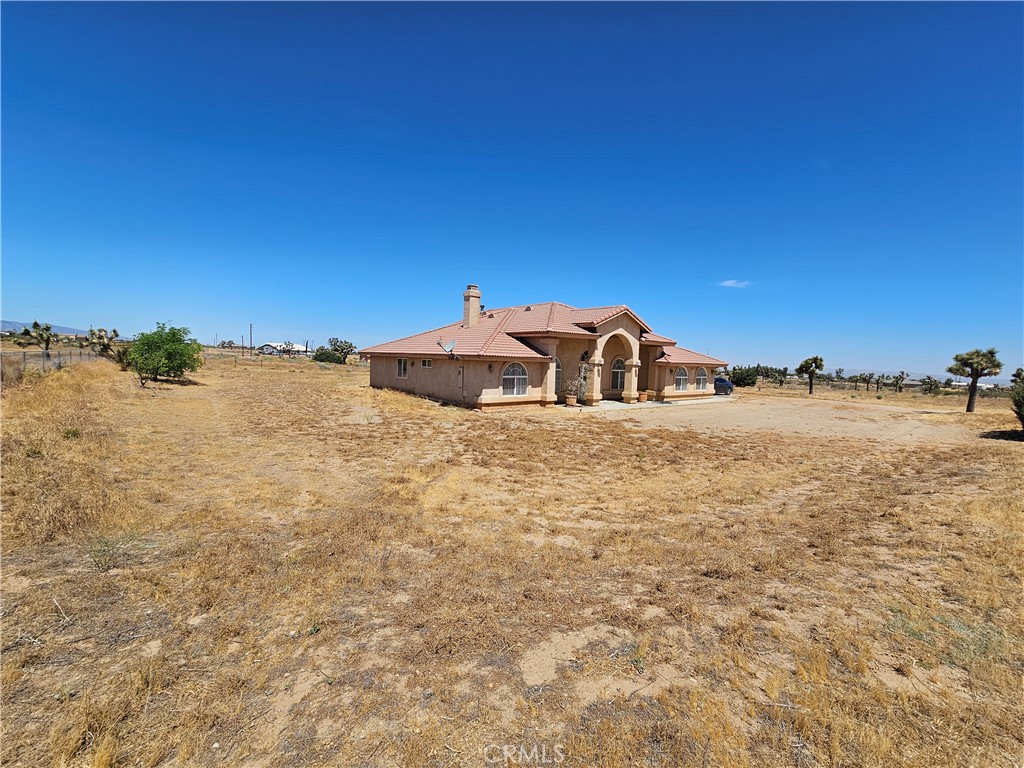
(284, 567)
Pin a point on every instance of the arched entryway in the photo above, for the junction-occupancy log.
(616, 352)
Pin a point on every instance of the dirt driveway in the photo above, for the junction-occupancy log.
(819, 418)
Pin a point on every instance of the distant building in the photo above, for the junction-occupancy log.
(531, 355)
(278, 348)
(966, 384)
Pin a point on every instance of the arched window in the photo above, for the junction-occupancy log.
(702, 380)
(558, 375)
(619, 374)
(682, 380)
(513, 380)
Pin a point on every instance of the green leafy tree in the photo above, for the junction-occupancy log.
(975, 365)
(166, 352)
(38, 335)
(341, 347)
(325, 355)
(810, 368)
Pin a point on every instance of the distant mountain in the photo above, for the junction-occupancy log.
(11, 325)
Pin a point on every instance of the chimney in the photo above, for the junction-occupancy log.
(471, 306)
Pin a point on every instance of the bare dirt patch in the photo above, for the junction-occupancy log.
(748, 412)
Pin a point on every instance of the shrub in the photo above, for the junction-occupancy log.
(1017, 399)
(11, 372)
(166, 352)
(121, 356)
(743, 376)
(325, 355)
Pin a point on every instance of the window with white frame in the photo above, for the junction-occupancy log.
(558, 375)
(682, 379)
(619, 374)
(513, 379)
(426, 363)
(403, 368)
(702, 380)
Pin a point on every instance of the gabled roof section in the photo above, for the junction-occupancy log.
(591, 317)
(682, 356)
(653, 338)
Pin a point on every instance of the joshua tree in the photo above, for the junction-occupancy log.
(975, 364)
(898, 379)
(1017, 377)
(783, 375)
(867, 378)
(341, 347)
(1017, 400)
(41, 336)
(810, 367)
(880, 379)
(101, 341)
(930, 385)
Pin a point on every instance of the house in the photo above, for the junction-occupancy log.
(525, 355)
(278, 348)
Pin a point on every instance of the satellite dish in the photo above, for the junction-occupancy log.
(448, 347)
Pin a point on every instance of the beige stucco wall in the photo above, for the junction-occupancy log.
(479, 386)
(665, 380)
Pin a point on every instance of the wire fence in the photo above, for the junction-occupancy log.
(46, 360)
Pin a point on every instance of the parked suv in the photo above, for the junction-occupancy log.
(722, 386)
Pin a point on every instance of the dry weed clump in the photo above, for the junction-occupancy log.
(56, 458)
(357, 577)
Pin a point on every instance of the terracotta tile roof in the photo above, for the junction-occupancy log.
(485, 339)
(495, 335)
(546, 318)
(681, 356)
(653, 338)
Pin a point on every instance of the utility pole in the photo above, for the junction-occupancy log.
(250, 340)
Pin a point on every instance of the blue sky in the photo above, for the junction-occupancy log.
(345, 169)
